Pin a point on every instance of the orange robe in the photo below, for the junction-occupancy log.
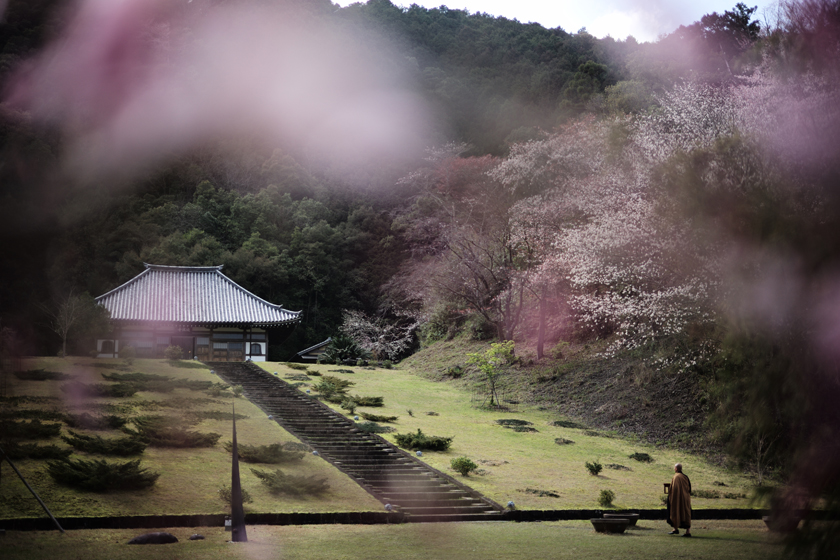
(679, 502)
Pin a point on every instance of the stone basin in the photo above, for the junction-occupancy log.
(631, 517)
(607, 525)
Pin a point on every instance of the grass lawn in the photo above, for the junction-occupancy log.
(733, 540)
(190, 478)
(518, 466)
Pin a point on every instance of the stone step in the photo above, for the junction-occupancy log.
(442, 518)
(385, 472)
(446, 510)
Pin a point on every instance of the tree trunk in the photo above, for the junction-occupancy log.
(541, 332)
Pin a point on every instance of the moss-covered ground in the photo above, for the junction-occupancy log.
(730, 540)
(528, 468)
(189, 478)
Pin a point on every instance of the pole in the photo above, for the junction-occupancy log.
(237, 511)
(40, 501)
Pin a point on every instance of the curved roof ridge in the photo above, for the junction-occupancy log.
(191, 294)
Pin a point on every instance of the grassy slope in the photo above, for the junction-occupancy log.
(514, 462)
(733, 540)
(190, 478)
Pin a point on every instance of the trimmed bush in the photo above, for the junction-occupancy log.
(225, 495)
(374, 428)
(566, 424)
(85, 421)
(708, 494)
(120, 447)
(101, 476)
(594, 468)
(511, 422)
(118, 390)
(31, 414)
(330, 385)
(16, 451)
(563, 441)
(271, 454)
(34, 429)
(299, 367)
(463, 465)
(378, 418)
(156, 431)
(421, 441)
(368, 401)
(606, 498)
(278, 482)
(642, 457)
(42, 375)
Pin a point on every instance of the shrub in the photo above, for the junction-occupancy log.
(643, 457)
(566, 424)
(513, 422)
(121, 447)
(17, 451)
(378, 418)
(128, 353)
(299, 367)
(33, 429)
(387, 364)
(31, 413)
(563, 441)
(541, 493)
(81, 390)
(271, 454)
(173, 353)
(421, 441)
(349, 405)
(374, 428)
(278, 482)
(710, 494)
(156, 432)
(41, 375)
(100, 476)
(225, 495)
(85, 421)
(454, 372)
(463, 465)
(594, 468)
(606, 498)
(143, 381)
(333, 389)
(368, 401)
(237, 391)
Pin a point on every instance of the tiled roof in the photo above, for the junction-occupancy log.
(315, 347)
(191, 294)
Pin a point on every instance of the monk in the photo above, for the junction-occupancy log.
(679, 502)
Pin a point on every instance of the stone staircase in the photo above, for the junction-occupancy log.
(391, 475)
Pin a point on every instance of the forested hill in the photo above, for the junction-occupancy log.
(495, 78)
(286, 226)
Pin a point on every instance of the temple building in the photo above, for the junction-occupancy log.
(208, 315)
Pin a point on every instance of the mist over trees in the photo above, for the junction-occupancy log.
(677, 199)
